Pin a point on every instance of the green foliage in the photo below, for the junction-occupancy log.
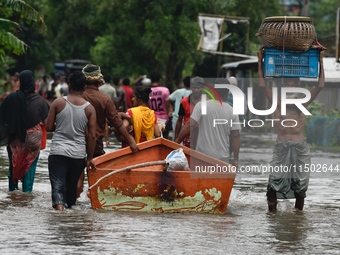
(335, 114)
(315, 108)
(323, 13)
(150, 35)
(9, 25)
(26, 12)
(323, 129)
(11, 43)
(69, 27)
(8, 41)
(134, 37)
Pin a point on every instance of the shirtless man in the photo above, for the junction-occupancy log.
(290, 151)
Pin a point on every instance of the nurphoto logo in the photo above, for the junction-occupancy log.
(213, 94)
(239, 102)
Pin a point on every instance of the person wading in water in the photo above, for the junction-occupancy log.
(290, 150)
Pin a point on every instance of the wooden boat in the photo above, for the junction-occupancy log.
(153, 189)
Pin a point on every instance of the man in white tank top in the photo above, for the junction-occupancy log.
(72, 147)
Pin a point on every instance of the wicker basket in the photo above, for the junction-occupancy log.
(289, 33)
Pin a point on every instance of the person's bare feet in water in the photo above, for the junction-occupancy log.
(299, 202)
(59, 207)
(272, 200)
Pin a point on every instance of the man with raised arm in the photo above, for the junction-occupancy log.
(291, 157)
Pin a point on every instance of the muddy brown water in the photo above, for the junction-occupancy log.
(29, 225)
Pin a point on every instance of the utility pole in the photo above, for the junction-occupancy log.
(337, 36)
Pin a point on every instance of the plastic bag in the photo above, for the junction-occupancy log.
(177, 160)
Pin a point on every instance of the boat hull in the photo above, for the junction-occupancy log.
(150, 189)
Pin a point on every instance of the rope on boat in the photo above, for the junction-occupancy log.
(152, 163)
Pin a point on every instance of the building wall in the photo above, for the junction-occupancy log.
(329, 97)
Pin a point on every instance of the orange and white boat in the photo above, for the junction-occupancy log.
(126, 181)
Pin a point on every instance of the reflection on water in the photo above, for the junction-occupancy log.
(73, 229)
(17, 199)
(290, 229)
(29, 225)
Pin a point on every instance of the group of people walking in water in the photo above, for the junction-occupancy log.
(90, 110)
(80, 118)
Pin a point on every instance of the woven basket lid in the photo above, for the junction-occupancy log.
(288, 19)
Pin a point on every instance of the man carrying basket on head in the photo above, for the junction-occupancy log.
(290, 150)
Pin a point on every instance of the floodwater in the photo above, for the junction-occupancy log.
(29, 225)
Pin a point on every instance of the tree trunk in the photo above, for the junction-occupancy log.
(304, 8)
(178, 73)
(174, 69)
(170, 68)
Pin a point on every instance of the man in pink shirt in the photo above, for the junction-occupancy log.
(158, 98)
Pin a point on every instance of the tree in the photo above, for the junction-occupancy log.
(324, 13)
(141, 36)
(135, 37)
(9, 42)
(73, 26)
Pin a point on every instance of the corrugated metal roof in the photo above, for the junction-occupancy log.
(240, 63)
